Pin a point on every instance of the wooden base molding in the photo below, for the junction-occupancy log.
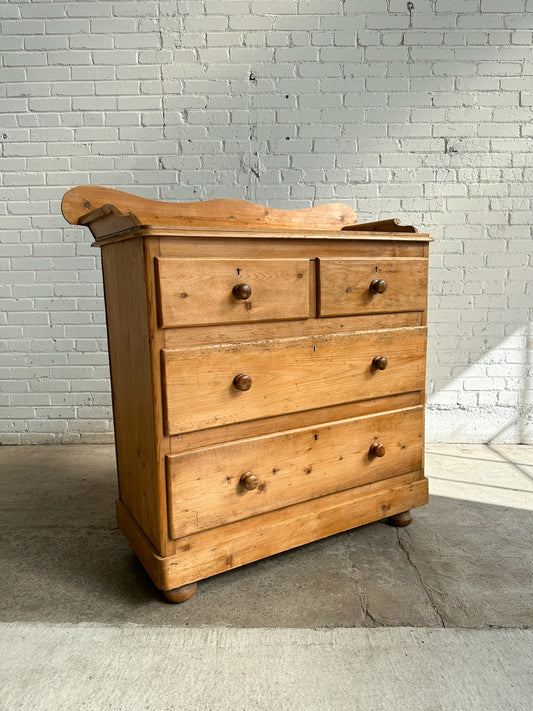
(218, 550)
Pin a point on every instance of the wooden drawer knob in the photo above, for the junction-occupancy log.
(249, 481)
(378, 286)
(377, 450)
(380, 362)
(242, 382)
(242, 291)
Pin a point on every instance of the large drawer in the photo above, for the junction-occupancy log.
(366, 286)
(207, 488)
(200, 292)
(201, 385)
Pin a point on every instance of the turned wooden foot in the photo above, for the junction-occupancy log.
(401, 519)
(180, 594)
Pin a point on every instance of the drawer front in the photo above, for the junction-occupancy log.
(206, 487)
(201, 292)
(287, 375)
(353, 286)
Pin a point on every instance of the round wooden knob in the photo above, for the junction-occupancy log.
(249, 481)
(377, 450)
(242, 291)
(242, 382)
(378, 286)
(380, 362)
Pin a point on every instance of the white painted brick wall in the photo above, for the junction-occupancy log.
(420, 110)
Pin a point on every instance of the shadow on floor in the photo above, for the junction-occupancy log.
(460, 564)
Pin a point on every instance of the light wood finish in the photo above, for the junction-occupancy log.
(288, 375)
(130, 361)
(375, 241)
(242, 333)
(254, 428)
(157, 343)
(252, 415)
(290, 245)
(204, 486)
(345, 286)
(220, 549)
(194, 292)
(226, 213)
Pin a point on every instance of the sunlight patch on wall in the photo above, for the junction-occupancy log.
(490, 400)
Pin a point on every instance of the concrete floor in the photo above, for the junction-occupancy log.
(464, 567)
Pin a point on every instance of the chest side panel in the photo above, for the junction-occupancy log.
(128, 327)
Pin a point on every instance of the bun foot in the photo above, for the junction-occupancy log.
(185, 592)
(400, 520)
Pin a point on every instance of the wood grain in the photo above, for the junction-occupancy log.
(133, 407)
(203, 234)
(241, 430)
(289, 375)
(157, 340)
(240, 333)
(195, 292)
(220, 549)
(287, 246)
(344, 286)
(225, 213)
(205, 489)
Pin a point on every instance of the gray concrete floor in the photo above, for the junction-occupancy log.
(464, 567)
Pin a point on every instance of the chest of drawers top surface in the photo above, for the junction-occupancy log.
(267, 371)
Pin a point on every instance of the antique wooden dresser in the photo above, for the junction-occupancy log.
(267, 372)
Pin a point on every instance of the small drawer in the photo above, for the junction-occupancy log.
(229, 482)
(202, 292)
(365, 286)
(210, 386)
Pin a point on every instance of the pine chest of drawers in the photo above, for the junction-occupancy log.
(267, 373)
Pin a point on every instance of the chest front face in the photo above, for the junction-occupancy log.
(312, 324)
(288, 378)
